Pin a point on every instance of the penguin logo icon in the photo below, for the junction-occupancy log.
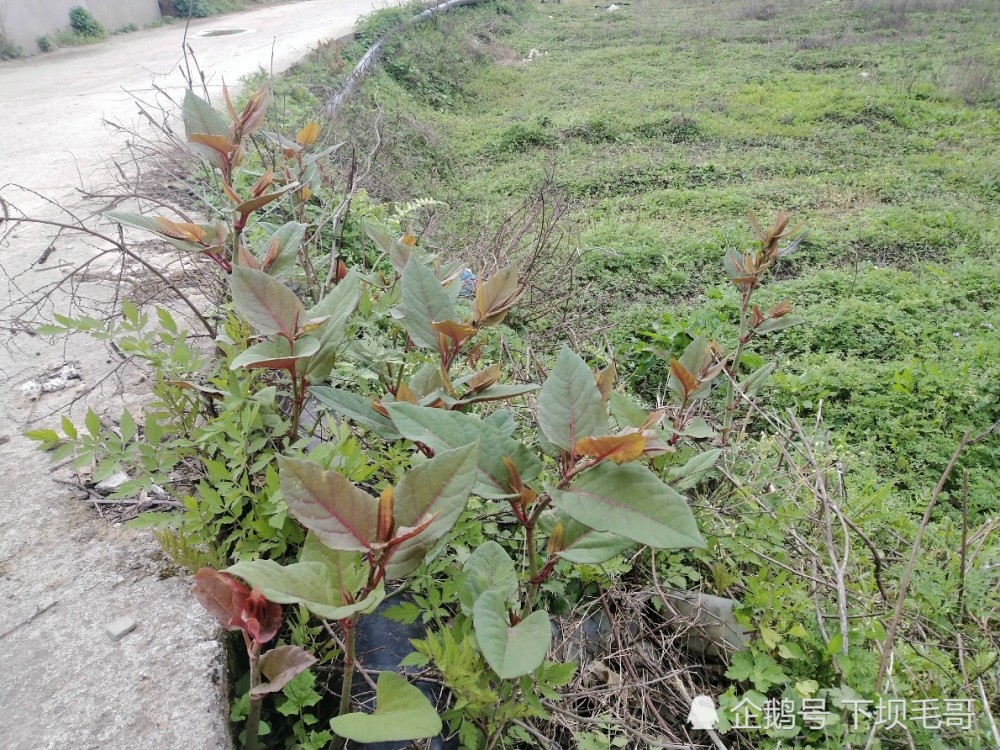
(703, 714)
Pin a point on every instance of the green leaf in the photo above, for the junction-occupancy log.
(626, 411)
(43, 435)
(631, 501)
(147, 223)
(437, 488)
(267, 304)
(698, 429)
(442, 430)
(342, 516)
(69, 429)
(581, 544)
(511, 651)
(200, 117)
(338, 305)
(770, 636)
(348, 568)
(755, 380)
(570, 405)
(777, 324)
(489, 568)
(497, 392)
(503, 420)
(314, 585)
(807, 687)
(402, 713)
(688, 475)
(340, 302)
(427, 380)
(289, 237)
(358, 408)
(695, 360)
(127, 426)
(275, 354)
(398, 252)
(424, 302)
(93, 423)
(135, 220)
(835, 644)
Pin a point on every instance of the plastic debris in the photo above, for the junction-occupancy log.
(67, 375)
(468, 284)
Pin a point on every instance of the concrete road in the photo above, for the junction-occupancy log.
(65, 574)
(51, 106)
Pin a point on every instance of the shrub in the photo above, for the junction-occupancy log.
(203, 8)
(9, 50)
(83, 22)
(522, 136)
(45, 44)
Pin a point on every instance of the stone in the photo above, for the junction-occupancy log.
(120, 628)
(112, 483)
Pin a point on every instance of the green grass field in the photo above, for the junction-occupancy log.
(876, 122)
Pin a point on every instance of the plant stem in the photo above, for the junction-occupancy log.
(298, 402)
(346, 685)
(531, 551)
(253, 713)
(734, 369)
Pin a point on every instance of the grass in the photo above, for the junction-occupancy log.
(875, 122)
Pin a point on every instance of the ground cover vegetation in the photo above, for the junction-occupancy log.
(763, 471)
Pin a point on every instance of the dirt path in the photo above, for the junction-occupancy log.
(65, 574)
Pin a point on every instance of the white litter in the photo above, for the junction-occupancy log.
(34, 388)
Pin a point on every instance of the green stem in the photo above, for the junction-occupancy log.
(347, 683)
(298, 402)
(734, 370)
(253, 714)
(532, 552)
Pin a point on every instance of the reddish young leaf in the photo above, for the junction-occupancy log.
(217, 593)
(181, 231)
(244, 258)
(386, 520)
(605, 380)
(405, 395)
(483, 379)
(229, 102)
(279, 666)
(342, 269)
(496, 296)
(235, 606)
(688, 381)
(308, 135)
(457, 332)
(215, 142)
(263, 183)
(231, 194)
(260, 618)
(272, 253)
(253, 113)
(780, 310)
(618, 448)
